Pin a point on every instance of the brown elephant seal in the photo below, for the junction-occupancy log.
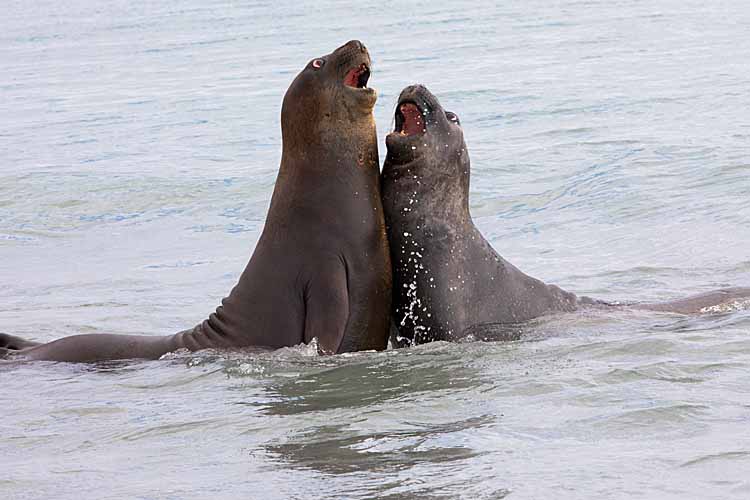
(321, 268)
(448, 281)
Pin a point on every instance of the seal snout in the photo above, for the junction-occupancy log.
(353, 45)
(354, 61)
(357, 45)
(414, 105)
(418, 93)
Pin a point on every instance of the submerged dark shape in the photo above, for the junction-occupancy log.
(321, 268)
(448, 282)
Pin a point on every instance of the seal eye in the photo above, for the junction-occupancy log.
(318, 63)
(452, 117)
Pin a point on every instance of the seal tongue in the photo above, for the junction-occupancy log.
(413, 122)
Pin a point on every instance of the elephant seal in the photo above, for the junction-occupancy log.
(321, 268)
(448, 281)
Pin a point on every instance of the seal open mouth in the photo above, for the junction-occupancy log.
(357, 77)
(409, 119)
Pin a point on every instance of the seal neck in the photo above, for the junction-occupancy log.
(416, 191)
(333, 156)
(317, 180)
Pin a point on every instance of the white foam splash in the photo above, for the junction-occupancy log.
(176, 354)
(246, 369)
(413, 265)
(735, 305)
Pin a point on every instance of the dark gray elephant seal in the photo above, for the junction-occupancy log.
(448, 281)
(321, 268)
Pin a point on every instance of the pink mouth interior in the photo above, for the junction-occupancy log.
(352, 78)
(413, 123)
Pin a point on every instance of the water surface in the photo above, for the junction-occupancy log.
(610, 146)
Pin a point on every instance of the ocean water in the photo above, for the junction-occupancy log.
(610, 145)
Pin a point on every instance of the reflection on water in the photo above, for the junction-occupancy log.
(387, 379)
(333, 449)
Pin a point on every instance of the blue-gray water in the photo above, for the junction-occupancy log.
(611, 155)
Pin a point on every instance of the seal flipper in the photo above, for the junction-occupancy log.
(102, 347)
(327, 308)
(717, 301)
(13, 343)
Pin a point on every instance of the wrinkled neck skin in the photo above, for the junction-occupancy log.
(426, 190)
(336, 167)
(344, 153)
(351, 141)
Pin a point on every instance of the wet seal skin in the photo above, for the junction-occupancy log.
(448, 282)
(321, 268)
